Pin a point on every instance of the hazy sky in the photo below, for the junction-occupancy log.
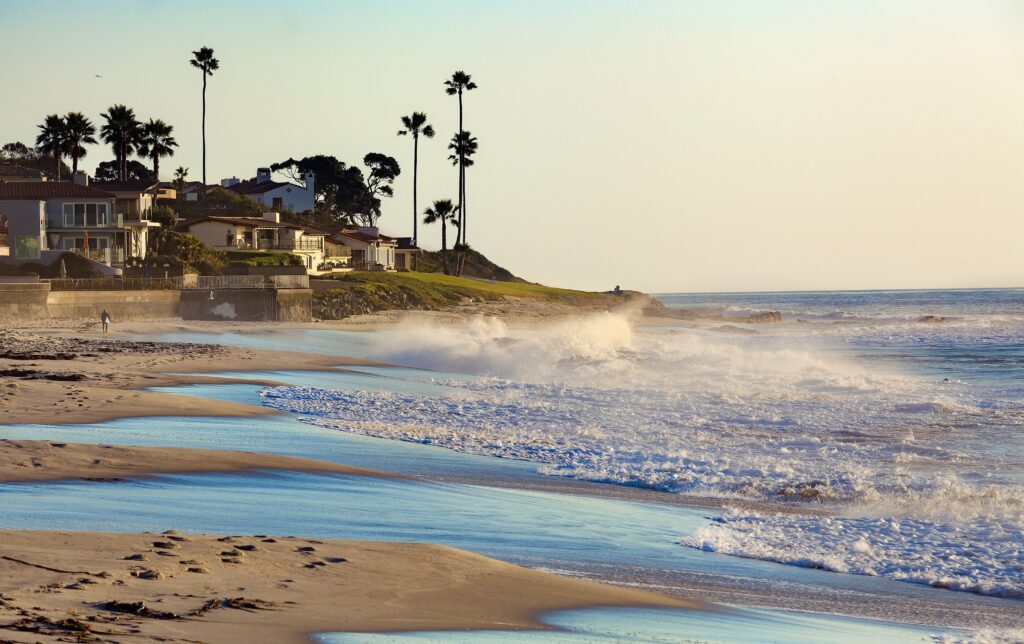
(664, 146)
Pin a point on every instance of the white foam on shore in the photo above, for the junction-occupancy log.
(764, 418)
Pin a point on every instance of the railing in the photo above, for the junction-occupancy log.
(102, 255)
(267, 244)
(113, 284)
(334, 251)
(214, 282)
(301, 244)
(186, 282)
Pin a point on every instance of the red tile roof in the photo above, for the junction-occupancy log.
(43, 190)
(252, 221)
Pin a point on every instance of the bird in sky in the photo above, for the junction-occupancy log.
(97, 76)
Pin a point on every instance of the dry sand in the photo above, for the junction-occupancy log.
(24, 461)
(60, 378)
(268, 589)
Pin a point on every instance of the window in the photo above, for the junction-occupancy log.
(278, 203)
(81, 215)
(27, 248)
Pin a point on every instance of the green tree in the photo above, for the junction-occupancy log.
(52, 139)
(14, 150)
(383, 172)
(444, 212)
(203, 60)
(79, 132)
(121, 131)
(134, 171)
(156, 142)
(414, 125)
(459, 83)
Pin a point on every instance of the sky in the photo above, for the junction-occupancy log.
(666, 146)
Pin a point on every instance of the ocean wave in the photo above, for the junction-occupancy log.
(977, 556)
(764, 418)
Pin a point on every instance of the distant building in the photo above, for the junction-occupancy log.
(274, 194)
(253, 234)
(372, 251)
(42, 219)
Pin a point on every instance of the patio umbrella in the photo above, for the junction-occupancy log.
(63, 269)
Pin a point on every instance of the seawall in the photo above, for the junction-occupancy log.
(36, 301)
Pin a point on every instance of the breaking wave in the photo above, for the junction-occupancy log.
(783, 417)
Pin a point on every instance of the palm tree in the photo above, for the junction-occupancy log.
(80, 131)
(52, 139)
(463, 146)
(204, 61)
(443, 211)
(415, 125)
(460, 82)
(122, 132)
(179, 180)
(156, 141)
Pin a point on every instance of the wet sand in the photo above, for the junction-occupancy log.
(86, 586)
(24, 461)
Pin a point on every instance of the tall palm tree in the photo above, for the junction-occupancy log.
(463, 146)
(455, 86)
(443, 211)
(122, 132)
(203, 60)
(80, 131)
(52, 139)
(156, 141)
(415, 125)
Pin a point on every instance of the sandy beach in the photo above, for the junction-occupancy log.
(69, 376)
(82, 586)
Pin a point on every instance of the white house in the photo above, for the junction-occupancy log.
(372, 251)
(274, 194)
(266, 234)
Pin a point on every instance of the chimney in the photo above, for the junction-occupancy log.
(310, 179)
(80, 178)
(262, 175)
(372, 231)
(231, 181)
(270, 215)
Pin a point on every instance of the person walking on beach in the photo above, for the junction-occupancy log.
(105, 319)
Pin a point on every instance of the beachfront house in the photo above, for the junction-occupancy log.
(42, 219)
(268, 234)
(275, 195)
(371, 251)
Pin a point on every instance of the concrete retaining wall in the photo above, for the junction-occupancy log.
(23, 301)
(20, 302)
(122, 305)
(284, 305)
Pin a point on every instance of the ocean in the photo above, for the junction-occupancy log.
(875, 433)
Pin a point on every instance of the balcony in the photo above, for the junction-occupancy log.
(270, 244)
(106, 256)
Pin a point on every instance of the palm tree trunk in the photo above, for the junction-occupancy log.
(462, 173)
(56, 160)
(444, 246)
(156, 168)
(415, 172)
(74, 162)
(204, 134)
